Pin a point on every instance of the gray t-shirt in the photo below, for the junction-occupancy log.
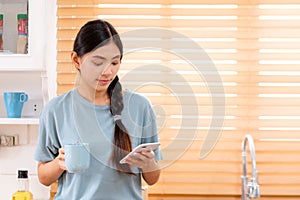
(69, 118)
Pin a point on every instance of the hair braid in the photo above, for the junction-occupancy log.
(122, 141)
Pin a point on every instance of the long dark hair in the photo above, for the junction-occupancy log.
(91, 36)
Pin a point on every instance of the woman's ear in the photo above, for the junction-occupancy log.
(75, 60)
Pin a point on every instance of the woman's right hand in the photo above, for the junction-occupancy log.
(61, 159)
(49, 172)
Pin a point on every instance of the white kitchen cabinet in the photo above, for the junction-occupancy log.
(34, 59)
(28, 72)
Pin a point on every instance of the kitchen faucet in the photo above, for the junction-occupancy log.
(250, 190)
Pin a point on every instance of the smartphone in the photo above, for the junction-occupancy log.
(149, 146)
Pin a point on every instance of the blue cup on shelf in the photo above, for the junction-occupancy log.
(14, 103)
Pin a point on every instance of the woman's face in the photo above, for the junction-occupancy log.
(98, 68)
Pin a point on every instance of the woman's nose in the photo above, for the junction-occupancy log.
(106, 70)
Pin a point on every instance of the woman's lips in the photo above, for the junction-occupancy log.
(103, 82)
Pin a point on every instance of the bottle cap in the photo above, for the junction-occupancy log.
(1, 16)
(22, 174)
(22, 16)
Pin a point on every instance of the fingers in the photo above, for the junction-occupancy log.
(61, 154)
(61, 159)
(147, 154)
(61, 151)
(141, 159)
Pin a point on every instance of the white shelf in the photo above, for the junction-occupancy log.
(22, 69)
(20, 121)
(13, 1)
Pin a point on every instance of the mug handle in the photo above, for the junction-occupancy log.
(23, 97)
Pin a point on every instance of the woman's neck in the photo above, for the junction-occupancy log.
(94, 96)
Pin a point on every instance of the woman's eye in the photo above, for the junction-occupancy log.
(115, 63)
(97, 64)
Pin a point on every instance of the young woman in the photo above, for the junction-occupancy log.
(98, 112)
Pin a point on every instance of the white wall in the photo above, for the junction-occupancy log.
(51, 50)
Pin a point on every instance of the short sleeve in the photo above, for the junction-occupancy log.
(150, 132)
(48, 144)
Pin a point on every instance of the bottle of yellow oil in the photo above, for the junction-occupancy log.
(23, 187)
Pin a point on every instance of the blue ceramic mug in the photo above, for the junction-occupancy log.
(14, 103)
(77, 157)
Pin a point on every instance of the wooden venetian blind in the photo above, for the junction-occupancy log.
(214, 71)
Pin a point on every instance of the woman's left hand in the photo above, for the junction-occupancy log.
(143, 160)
